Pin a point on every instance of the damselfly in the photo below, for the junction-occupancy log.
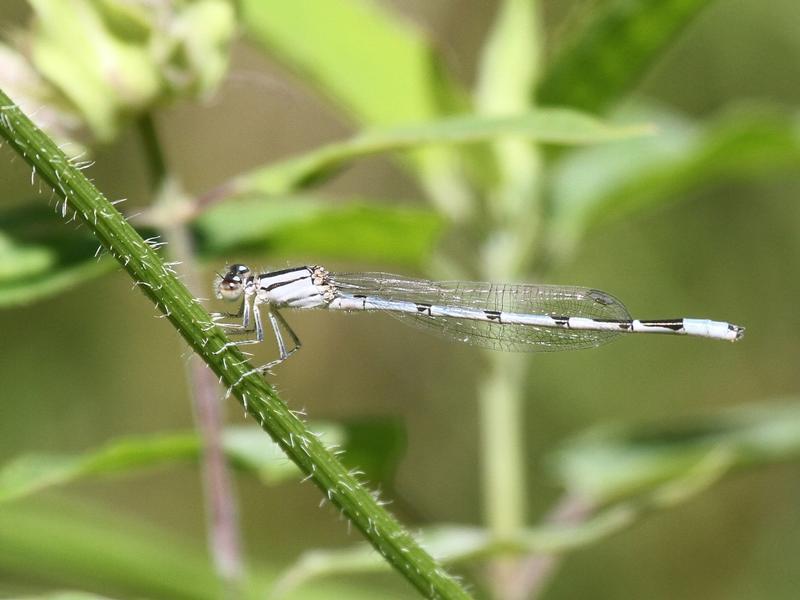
(511, 317)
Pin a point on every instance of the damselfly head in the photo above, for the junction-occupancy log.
(230, 286)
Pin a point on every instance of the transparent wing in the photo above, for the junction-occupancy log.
(552, 300)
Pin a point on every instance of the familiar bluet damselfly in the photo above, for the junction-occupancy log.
(511, 317)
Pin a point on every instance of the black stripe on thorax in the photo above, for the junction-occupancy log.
(277, 284)
(284, 271)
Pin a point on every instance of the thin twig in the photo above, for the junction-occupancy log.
(534, 573)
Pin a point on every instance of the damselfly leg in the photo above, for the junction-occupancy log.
(276, 322)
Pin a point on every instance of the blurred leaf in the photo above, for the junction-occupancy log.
(639, 469)
(34, 94)
(110, 73)
(310, 226)
(377, 67)
(609, 463)
(70, 545)
(610, 48)
(452, 544)
(31, 473)
(597, 185)
(374, 65)
(41, 256)
(70, 595)
(248, 448)
(373, 448)
(446, 543)
(547, 125)
(60, 542)
(111, 59)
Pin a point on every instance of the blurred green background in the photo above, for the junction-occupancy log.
(93, 362)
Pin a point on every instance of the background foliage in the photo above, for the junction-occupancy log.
(697, 218)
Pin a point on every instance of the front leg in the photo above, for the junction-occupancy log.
(244, 328)
(243, 313)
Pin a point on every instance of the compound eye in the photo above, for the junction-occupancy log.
(229, 287)
(237, 269)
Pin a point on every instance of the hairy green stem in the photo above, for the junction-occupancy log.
(172, 298)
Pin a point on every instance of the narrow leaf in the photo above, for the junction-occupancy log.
(246, 448)
(610, 463)
(547, 126)
(608, 50)
(598, 185)
(108, 551)
(31, 473)
(313, 227)
(376, 66)
(68, 595)
(40, 256)
(62, 543)
(448, 543)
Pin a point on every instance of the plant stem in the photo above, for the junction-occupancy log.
(171, 297)
(503, 470)
(500, 404)
(509, 68)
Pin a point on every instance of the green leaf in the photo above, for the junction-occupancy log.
(110, 551)
(377, 67)
(248, 449)
(547, 126)
(63, 543)
(638, 469)
(31, 473)
(371, 447)
(598, 185)
(609, 463)
(40, 256)
(111, 59)
(70, 595)
(310, 226)
(448, 543)
(112, 74)
(374, 447)
(610, 48)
